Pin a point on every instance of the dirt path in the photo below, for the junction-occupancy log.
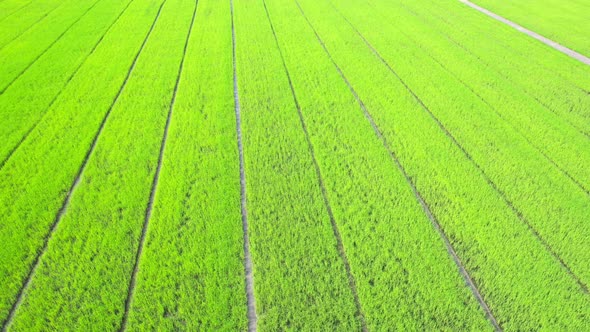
(546, 41)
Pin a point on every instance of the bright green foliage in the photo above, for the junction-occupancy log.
(10, 8)
(405, 277)
(300, 281)
(373, 131)
(191, 274)
(533, 273)
(553, 204)
(14, 25)
(20, 53)
(26, 101)
(555, 80)
(34, 182)
(535, 121)
(111, 224)
(566, 22)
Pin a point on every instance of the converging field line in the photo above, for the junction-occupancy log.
(75, 184)
(148, 212)
(468, 280)
(249, 278)
(54, 99)
(492, 184)
(546, 41)
(336, 231)
(49, 47)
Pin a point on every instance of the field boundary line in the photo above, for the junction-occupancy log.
(152, 198)
(75, 184)
(503, 76)
(32, 25)
(335, 229)
(248, 266)
(502, 195)
(503, 45)
(53, 100)
(434, 221)
(48, 47)
(569, 52)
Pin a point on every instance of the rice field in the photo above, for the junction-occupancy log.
(294, 165)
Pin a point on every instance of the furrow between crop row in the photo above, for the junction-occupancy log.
(248, 265)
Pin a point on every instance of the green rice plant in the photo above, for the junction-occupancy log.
(14, 25)
(538, 123)
(191, 274)
(506, 258)
(554, 205)
(553, 79)
(565, 22)
(109, 205)
(26, 101)
(139, 112)
(396, 255)
(35, 182)
(300, 279)
(17, 56)
(9, 8)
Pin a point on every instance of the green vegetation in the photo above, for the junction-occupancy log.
(15, 25)
(300, 280)
(565, 22)
(139, 112)
(17, 56)
(191, 275)
(36, 180)
(22, 112)
(385, 164)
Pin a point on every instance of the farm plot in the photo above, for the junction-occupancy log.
(356, 165)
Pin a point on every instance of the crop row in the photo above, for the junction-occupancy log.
(16, 57)
(108, 207)
(552, 78)
(550, 200)
(399, 262)
(37, 179)
(9, 9)
(466, 216)
(26, 101)
(541, 125)
(191, 273)
(564, 22)
(299, 278)
(15, 25)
